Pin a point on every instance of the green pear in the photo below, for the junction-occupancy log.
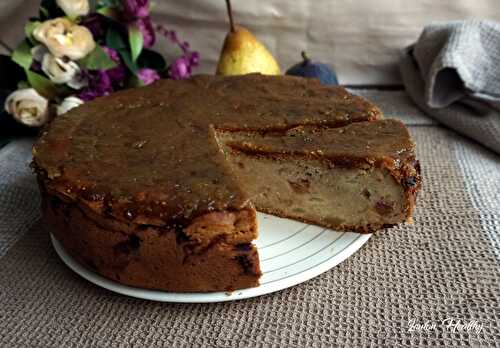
(243, 54)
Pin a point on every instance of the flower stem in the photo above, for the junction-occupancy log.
(6, 47)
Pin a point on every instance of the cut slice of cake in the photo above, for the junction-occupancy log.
(360, 177)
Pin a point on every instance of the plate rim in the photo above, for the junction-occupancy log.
(209, 297)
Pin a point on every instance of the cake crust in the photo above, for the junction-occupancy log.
(162, 136)
(137, 186)
(179, 260)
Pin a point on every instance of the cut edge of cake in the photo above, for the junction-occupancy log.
(215, 252)
(318, 184)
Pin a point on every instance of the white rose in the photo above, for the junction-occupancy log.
(67, 104)
(74, 8)
(60, 71)
(28, 107)
(64, 38)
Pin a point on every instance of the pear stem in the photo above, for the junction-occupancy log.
(230, 14)
(304, 56)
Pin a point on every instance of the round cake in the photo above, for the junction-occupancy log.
(158, 187)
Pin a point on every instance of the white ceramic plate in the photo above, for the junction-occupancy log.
(290, 252)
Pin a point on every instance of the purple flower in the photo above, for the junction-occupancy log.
(111, 54)
(182, 67)
(148, 76)
(118, 74)
(194, 60)
(117, 77)
(179, 69)
(104, 82)
(96, 23)
(133, 9)
(87, 95)
(99, 84)
(147, 30)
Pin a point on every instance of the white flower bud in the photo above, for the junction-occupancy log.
(28, 107)
(68, 103)
(74, 8)
(58, 70)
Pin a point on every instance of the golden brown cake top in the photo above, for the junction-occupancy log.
(150, 155)
(358, 143)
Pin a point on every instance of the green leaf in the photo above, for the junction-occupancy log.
(114, 39)
(23, 84)
(134, 82)
(110, 12)
(44, 13)
(107, 3)
(28, 31)
(151, 59)
(135, 40)
(42, 84)
(127, 59)
(97, 60)
(22, 55)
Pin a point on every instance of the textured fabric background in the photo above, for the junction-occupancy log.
(446, 265)
(362, 39)
(475, 121)
(458, 59)
(452, 71)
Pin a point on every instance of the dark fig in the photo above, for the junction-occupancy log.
(325, 74)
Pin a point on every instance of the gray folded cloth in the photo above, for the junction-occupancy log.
(453, 73)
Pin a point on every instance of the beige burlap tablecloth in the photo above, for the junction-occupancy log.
(410, 285)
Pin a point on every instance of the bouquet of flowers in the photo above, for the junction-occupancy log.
(72, 54)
